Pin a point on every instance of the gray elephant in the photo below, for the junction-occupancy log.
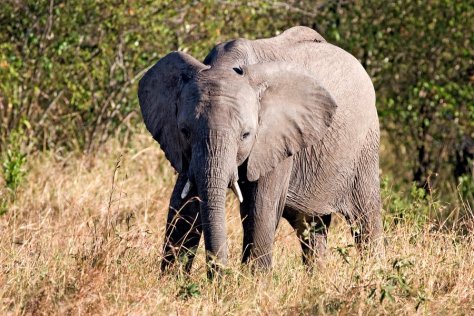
(289, 123)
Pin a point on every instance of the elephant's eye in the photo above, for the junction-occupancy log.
(238, 70)
(245, 135)
(185, 132)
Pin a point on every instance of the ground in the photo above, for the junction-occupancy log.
(85, 232)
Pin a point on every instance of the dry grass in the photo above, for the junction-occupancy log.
(76, 242)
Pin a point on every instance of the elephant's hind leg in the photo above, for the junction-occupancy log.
(312, 231)
(365, 213)
(183, 229)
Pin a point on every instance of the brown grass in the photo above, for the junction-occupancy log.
(84, 236)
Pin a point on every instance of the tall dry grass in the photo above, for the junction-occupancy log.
(84, 236)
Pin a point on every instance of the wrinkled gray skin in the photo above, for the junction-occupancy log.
(292, 118)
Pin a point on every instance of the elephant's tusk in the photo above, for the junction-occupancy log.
(235, 187)
(187, 188)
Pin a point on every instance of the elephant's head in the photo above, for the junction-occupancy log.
(210, 120)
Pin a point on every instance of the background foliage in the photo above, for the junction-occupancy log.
(68, 71)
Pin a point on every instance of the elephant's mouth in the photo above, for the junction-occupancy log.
(234, 185)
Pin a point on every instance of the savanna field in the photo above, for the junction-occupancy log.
(84, 189)
(85, 232)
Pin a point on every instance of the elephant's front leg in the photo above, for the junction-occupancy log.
(261, 211)
(183, 228)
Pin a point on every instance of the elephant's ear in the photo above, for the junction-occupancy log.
(158, 94)
(295, 112)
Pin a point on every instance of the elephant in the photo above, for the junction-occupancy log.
(289, 123)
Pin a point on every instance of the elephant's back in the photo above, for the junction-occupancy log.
(340, 73)
(243, 52)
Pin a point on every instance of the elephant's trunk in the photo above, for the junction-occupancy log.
(213, 172)
(213, 220)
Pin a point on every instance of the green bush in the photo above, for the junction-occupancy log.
(13, 168)
(414, 208)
